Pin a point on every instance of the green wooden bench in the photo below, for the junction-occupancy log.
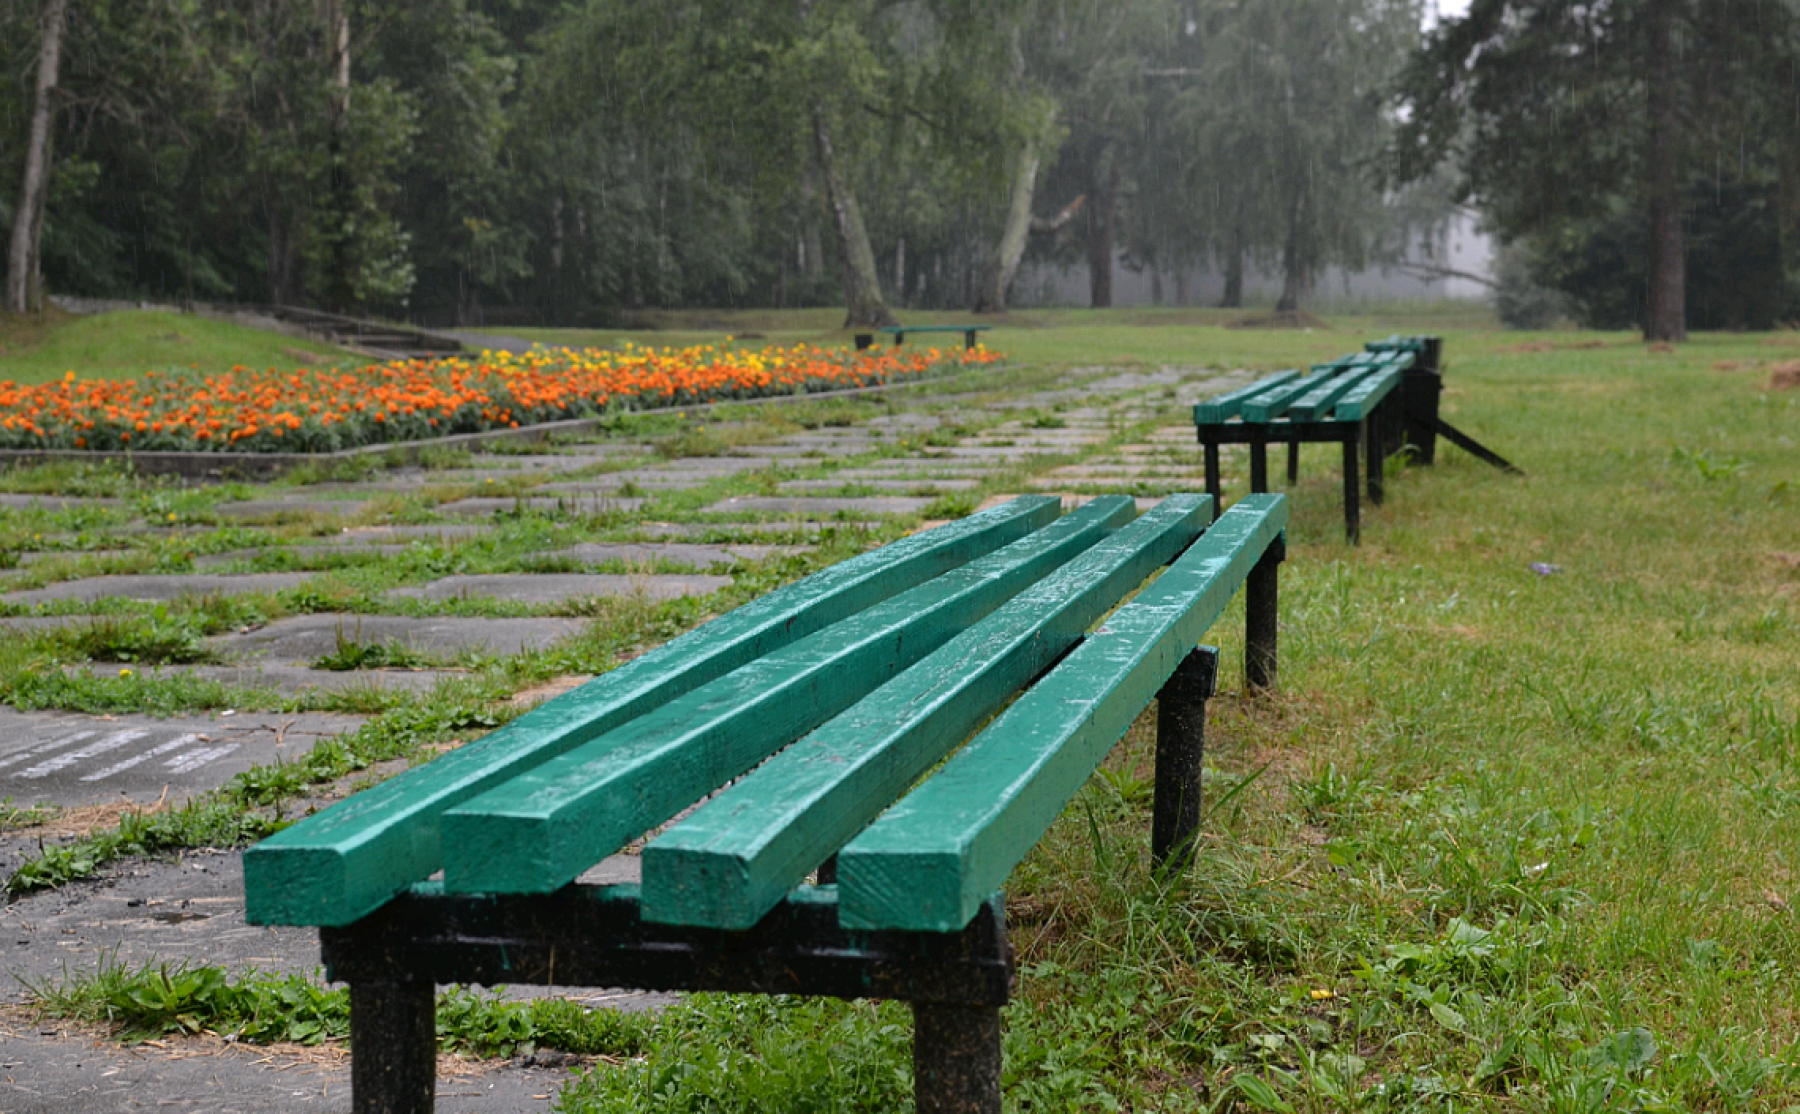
(800, 723)
(899, 333)
(1375, 403)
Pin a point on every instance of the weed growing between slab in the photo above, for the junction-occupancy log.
(143, 1003)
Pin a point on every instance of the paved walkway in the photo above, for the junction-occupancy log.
(447, 569)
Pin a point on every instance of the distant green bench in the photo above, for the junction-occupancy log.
(1375, 403)
(810, 713)
(899, 333)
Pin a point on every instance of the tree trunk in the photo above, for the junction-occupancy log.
(1293, 268)
(340, 285)
(998, 278)
(1100, 238)
(1665, 316)
(1233, 298)
(24, 289)
(862, 284)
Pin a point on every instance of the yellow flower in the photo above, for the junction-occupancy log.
(124, 672)
(1320, 995)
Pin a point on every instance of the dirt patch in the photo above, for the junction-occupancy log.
(1789, 561)
(1286, 319)
(1785, 377)
(73, 822)
(556, 686)
(1737, 365)
(1528, 347)
(1661, 348)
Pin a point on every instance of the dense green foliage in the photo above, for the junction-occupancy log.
(1641, 154)
(536, 161)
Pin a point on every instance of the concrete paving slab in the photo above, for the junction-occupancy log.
(293, 680)
(919, 485)
(550, 589)
(25, 502)
(710, 465)
(435, 532)
(306, 638)
(606, 486)
(677, 553)
(289, 509)
(787, 527)
(821, 508)
(483, 506)
(161, 587)
(71, 760)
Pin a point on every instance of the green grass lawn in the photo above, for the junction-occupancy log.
(1518, 832)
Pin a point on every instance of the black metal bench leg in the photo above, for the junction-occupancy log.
(1259, 463)
(1293, 462)
(1352, 490)
(1214, 487)
(1261, 595)
(393, 1047)
(1180, 753)
(956, 1059)
(1373, 461)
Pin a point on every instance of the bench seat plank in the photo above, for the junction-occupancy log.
(541, 829)
(1367, 394)
(340, 864)
(1322, 397)
(931, 861)
(741, 853)
(1227, 405)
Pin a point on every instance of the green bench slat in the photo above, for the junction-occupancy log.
(931, 860)
(1323, 397)
(1362, 400)
(1273, 404)
(741, 853)
(538, 831)
(343, 863)
(1226, 406)
(1396, 343)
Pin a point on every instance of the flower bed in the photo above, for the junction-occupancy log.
(410, 400)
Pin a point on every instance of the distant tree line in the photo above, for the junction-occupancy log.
(438, 158)
(573, 159)
(1638, 156)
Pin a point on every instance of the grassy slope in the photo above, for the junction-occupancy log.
(126, 344)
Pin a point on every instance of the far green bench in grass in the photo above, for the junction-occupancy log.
(1375, 403)
(801, 725)
(900, 332)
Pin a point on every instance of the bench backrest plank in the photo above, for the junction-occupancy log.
(538, 831)
(741, 853)
(341, 864)
(1226, 406)
(932, 859)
